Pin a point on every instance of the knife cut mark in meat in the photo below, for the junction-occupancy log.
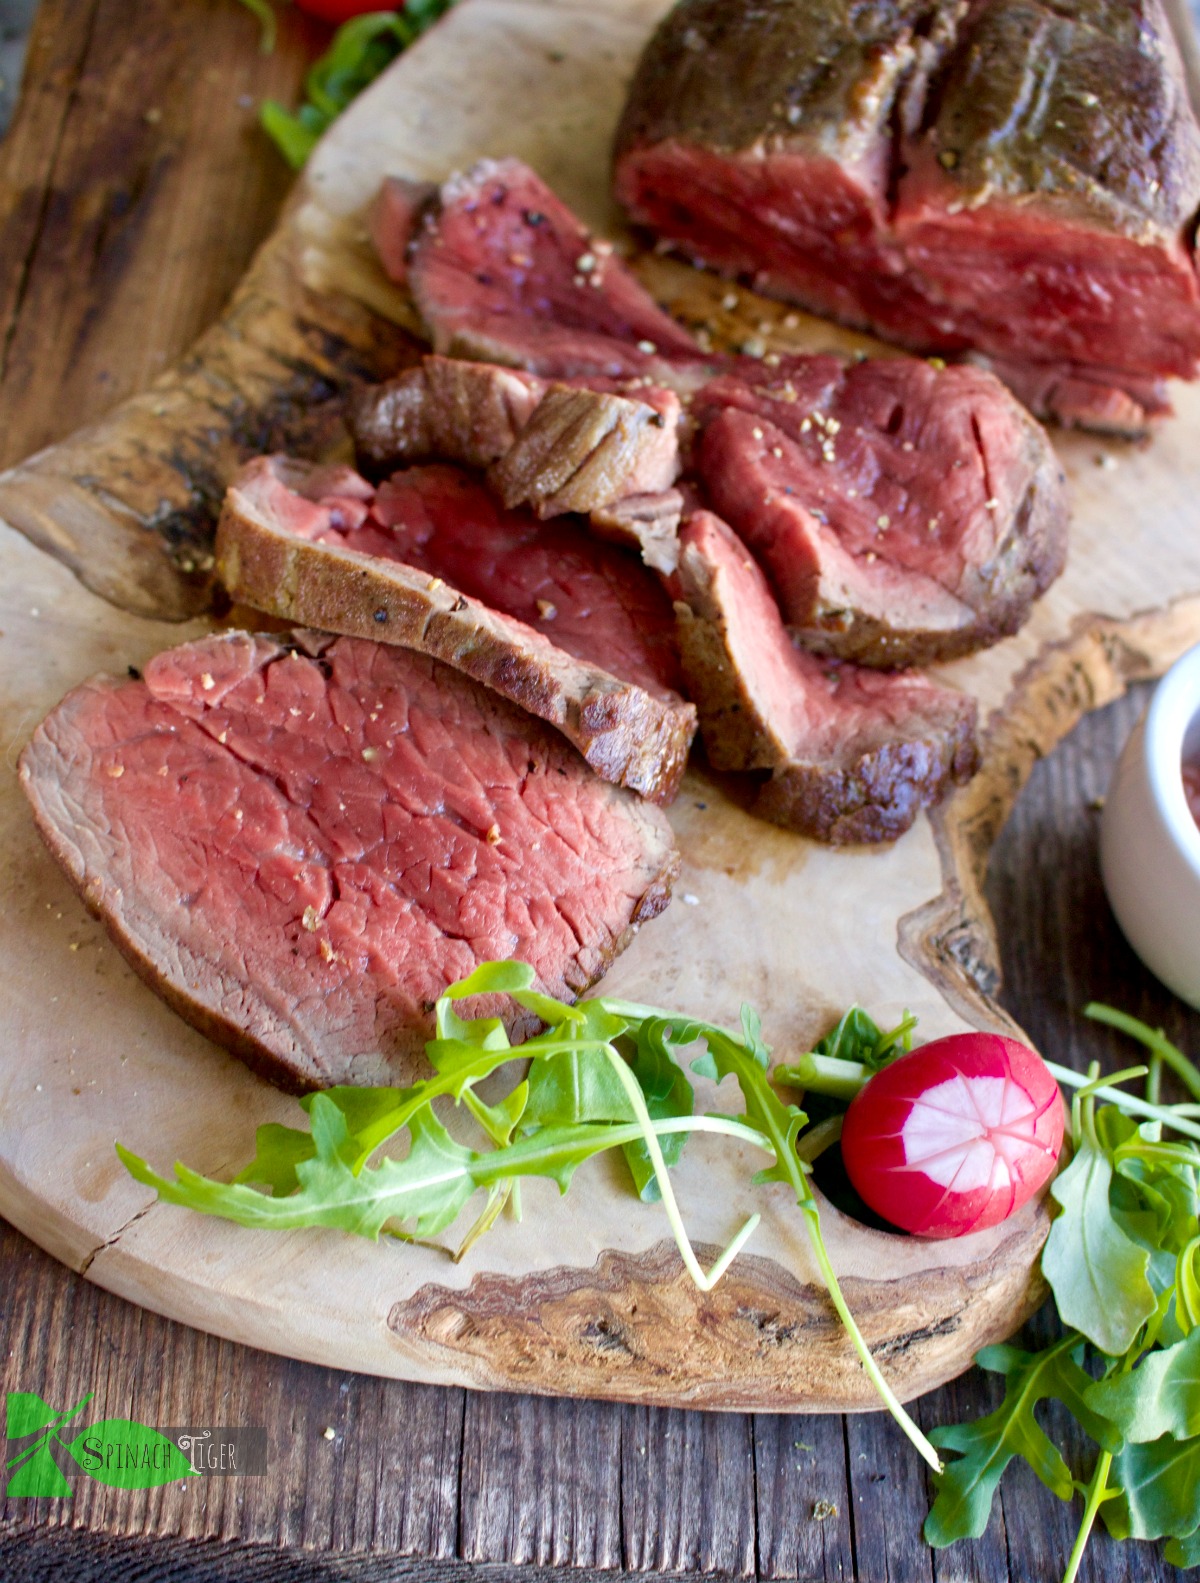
(854, 754)
(1020, 178)
(573, 630)
(300, 844)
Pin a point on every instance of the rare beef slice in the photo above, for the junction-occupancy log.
(1018, 179)
(299, 844)
(501, 270)
(573, 630)
(903, 513)
(854, 754)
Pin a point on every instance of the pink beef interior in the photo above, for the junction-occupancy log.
(593, 599)
(1020, 177)
(503, 269)
(810, 710)
(890, 481)
(318, 845)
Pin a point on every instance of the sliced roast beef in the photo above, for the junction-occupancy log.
(586, 450)
(854, 754)
(651, 522)
(500, 269)
(443, 410)
(555, 447)
(393, 219)
(573, 630)
(299, 844)
(903, 513)
(1018, 177)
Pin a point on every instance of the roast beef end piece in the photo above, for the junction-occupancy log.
(393, 219)
(574, 632)
(854, 754)
(903, 513)
(501, 270)
(300, 845)
(443, 410)
(1018, 178)
(583, 450)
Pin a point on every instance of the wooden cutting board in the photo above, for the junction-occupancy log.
(587, 1296)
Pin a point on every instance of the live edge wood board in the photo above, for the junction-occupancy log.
(587, 1296)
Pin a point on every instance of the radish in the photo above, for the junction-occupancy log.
(954, 1136)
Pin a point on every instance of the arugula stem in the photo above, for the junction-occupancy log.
(824, 1074)
(890, 1400)
(638, 1101)
(812, 1144)
(1170, 1115)
(1153, 1038)
(786, 1157)
(1154, 1080)
(1098, 1492)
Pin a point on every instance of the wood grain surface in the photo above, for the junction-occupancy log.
(423, 1481)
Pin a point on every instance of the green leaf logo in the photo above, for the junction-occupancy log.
(32, 1471)
(128, 1456)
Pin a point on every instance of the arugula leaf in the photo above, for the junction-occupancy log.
(858, 1037)
(1160, 1397)
(264, 12)
(572, 1087)
(428, 1188)
(668, 1093)
(1159, 1494)
(1184, 1552)
(1097, 1273)
(361, 50)
(966, 1488)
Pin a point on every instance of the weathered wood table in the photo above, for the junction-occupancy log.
(134, 185)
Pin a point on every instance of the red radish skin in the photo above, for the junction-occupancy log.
(954, 1136)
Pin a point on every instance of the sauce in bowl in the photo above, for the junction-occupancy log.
(1191, 786)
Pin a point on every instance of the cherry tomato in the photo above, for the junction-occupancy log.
(954, 1136)
(343, 10)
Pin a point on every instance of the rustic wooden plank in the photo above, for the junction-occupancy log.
(540, 1481)
(802, 1497)
(135, 183)
(687, 1492)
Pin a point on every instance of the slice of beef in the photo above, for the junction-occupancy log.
(586, 450)
(299, 844)
(903, 513)
(590, 598)
(443, 410)
(854, 754)
(575, 632)
(557, 448)
(393, 218)
(501, 270)
(651, 522)
(1020, 177)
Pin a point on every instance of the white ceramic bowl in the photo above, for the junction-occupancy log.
(1149, 841)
